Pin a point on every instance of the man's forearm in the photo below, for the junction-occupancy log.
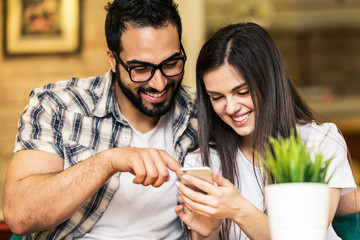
(41, 201)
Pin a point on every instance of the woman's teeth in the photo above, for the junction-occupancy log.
(243, 117)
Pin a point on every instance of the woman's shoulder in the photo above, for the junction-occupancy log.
(193, 159)
(325, 133)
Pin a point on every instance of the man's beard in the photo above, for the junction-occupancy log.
(158, 109)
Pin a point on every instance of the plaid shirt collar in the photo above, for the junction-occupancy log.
(107, 103)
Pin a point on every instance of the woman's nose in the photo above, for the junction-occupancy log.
(232, 106)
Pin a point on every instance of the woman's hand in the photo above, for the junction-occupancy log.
(202, 225)
(220, 202)
(223, 201)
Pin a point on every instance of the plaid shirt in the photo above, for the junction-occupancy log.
(78, 118)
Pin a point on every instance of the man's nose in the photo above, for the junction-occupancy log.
(158, 81)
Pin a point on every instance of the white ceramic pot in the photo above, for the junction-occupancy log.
(298, 211)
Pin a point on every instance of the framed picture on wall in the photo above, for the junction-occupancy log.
(36, 27)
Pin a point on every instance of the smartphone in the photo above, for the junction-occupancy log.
(203, 173)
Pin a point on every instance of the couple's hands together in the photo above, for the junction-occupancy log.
(148, 165)
(203, 213)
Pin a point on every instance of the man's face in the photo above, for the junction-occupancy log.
(148, 45)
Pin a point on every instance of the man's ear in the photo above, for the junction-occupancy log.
(111, 59)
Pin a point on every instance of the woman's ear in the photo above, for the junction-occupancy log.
(111, 59)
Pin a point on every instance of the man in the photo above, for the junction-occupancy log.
(88, 149)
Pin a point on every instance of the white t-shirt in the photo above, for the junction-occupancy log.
(324, 138)
(139, 212)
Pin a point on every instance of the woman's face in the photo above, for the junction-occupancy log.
(231, 99)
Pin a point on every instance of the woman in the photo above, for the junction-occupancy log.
(245, 96)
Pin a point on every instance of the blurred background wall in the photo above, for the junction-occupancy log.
(320, 42)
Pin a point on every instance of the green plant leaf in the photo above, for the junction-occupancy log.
(289, 160)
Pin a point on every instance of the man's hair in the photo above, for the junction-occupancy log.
(138, 13)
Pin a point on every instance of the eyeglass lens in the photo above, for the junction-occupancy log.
(169, 69)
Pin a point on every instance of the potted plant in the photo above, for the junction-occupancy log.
(297, 196)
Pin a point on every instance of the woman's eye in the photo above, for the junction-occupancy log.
(215, 98)
(243, 93)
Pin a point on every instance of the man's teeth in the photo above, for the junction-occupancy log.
(156, 95)
(238, 119)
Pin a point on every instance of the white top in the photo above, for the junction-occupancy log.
(325, 138)
(139, 212)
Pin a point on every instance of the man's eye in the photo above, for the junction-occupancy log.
(142, 69)
(170, 64)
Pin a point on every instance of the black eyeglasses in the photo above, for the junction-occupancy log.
(144, 71)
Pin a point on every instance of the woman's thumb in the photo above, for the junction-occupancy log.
(218, 179)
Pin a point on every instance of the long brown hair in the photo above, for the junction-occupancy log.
(250, 50)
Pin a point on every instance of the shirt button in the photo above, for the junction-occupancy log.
(76, 234)
(103, 209)
(117, 174)
(125, 137)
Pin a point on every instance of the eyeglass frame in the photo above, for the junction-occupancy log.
(154, 66)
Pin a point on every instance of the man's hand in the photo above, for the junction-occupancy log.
(40, 194)
(150, 166)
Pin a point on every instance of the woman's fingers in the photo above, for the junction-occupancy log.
(215, 203)
(207, 187)
(185, 190)
(194, 201)
(198, 183)
(179, 210)
(220, 180)
(197, 207)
